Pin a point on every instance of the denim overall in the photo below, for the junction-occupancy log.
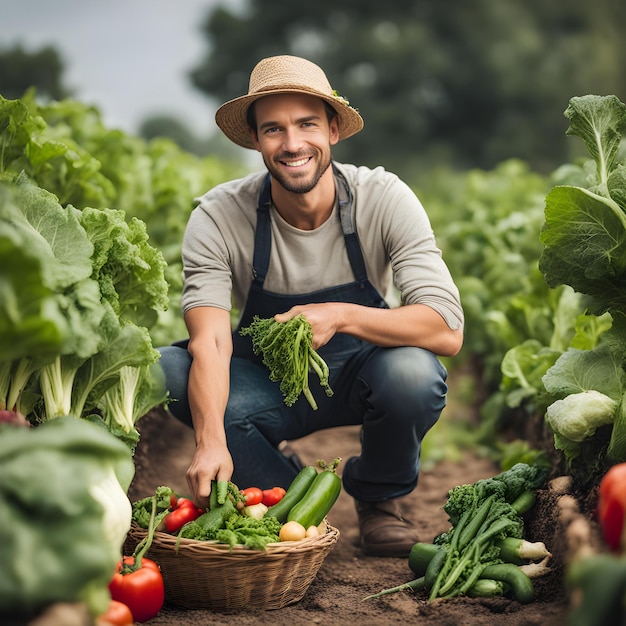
(396, 394)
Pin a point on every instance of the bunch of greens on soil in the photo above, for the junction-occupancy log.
(483, 514)
(287, 349)
(482, 553)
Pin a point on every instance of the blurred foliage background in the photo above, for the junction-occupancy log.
(462, 99)
(458, 84)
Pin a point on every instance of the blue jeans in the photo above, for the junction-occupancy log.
(395, 394)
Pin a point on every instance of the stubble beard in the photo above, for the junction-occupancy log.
(299, 184)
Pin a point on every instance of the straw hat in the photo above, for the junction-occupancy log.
(284, 74)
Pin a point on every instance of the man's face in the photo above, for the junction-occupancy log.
(294, 137)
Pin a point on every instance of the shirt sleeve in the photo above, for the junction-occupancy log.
(420, 273)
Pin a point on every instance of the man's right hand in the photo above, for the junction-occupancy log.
(210, 346)
(210, 462)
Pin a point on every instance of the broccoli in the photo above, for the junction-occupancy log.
(481, 515)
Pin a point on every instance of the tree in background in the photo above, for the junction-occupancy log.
(466, 84)
(174, 128)
(20, 70)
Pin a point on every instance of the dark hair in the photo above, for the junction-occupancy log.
(251, 114)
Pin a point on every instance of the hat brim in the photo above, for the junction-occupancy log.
(232, 116)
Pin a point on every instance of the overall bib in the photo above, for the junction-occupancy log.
(395, 394)
(355, 367)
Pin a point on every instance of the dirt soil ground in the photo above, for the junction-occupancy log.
(336, 596)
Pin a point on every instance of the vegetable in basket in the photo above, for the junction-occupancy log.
(296, 491)
(319, 497)
(183, 511)
(310, 496)
(222, 522)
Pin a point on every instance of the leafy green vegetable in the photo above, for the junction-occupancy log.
(577, 416)
(249, 532)
(83, 299)
(64, 513)
(584, 237)
(481, 514)
(161, 500)
(577, 373)
(64, 147)
(287, 350)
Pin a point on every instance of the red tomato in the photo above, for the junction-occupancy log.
(273, 496)
(142, 590)
(179, 517)
(252, 496)
(183, 502)
(612, 507)
(118, 614)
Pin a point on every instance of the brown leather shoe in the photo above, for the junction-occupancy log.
(384, 530)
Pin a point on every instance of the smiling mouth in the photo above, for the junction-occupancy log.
(296, 163)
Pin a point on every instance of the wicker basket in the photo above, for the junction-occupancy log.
(208, 575)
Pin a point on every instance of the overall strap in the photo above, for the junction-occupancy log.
(263, 231)
(262, 234)
(353, 247)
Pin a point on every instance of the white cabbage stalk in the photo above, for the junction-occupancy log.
(117, 508)
(577, 416)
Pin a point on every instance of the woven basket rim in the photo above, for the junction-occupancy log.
(166, 540)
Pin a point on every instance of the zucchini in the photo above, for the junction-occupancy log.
(296, 491)
(319, 498)
(434, 567)
(521, 586)
(421, 555)
(215, 518)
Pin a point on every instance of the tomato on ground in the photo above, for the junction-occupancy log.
(118, 614)
(612, 507)
(141, 590)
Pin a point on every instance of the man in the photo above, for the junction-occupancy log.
(325, 240)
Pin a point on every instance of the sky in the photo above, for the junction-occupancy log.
(129, 58)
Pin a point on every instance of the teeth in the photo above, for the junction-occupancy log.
(297, 163)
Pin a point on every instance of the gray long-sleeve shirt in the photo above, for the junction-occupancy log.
(393, 228)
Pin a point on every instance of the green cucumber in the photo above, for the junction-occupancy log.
(433, 569)
(521, 586)
(318, 500)
(298, 488)
(421, 555)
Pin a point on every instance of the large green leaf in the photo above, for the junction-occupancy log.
(584, 242)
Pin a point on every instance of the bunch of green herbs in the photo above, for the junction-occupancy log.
(287, 350)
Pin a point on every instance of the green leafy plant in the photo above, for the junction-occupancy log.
(287, 349)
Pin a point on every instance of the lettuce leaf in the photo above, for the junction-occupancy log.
(584, 235)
